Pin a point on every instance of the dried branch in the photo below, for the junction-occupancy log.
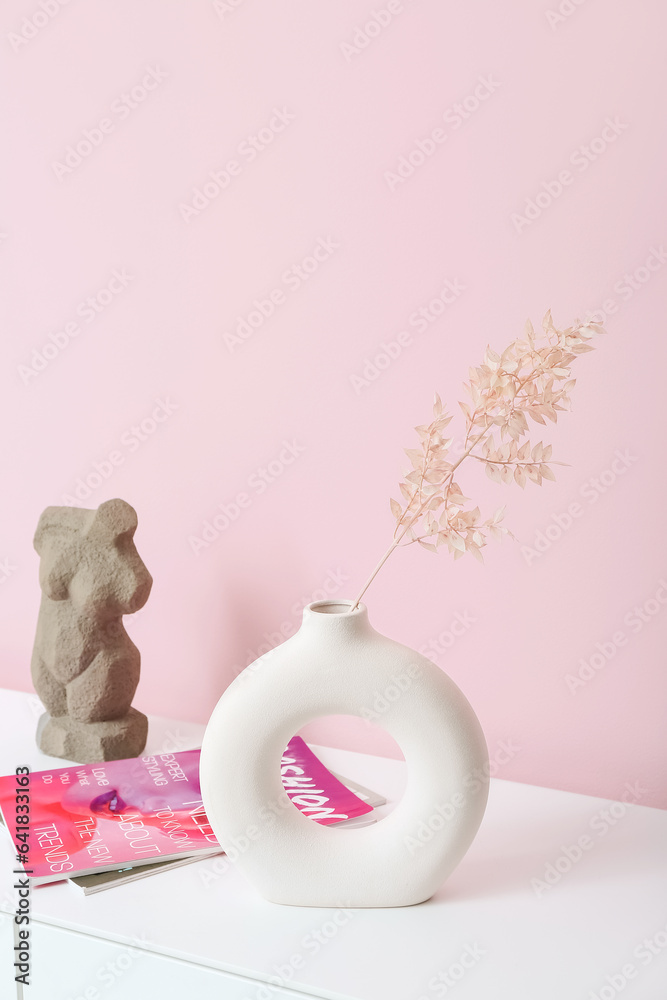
(530, 379)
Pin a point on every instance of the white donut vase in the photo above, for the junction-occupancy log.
(338, 664)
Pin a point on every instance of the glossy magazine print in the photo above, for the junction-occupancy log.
(98, 817)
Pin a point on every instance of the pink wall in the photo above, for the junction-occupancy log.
(169, 93)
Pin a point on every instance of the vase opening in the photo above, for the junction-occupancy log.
(335, 608)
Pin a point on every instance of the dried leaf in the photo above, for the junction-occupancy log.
(457, 542)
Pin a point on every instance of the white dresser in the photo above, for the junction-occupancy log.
(598, 928)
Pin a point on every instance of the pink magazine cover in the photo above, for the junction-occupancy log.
(98, 817)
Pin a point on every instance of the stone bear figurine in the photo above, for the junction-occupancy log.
(85, 667)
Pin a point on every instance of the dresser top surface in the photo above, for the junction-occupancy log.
(529, 912)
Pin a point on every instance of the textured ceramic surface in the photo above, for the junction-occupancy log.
(338, 664)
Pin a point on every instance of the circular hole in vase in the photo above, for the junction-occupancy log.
(341, 743)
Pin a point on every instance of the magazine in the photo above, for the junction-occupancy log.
(99, 881)
(120, 876)
(91, 818)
